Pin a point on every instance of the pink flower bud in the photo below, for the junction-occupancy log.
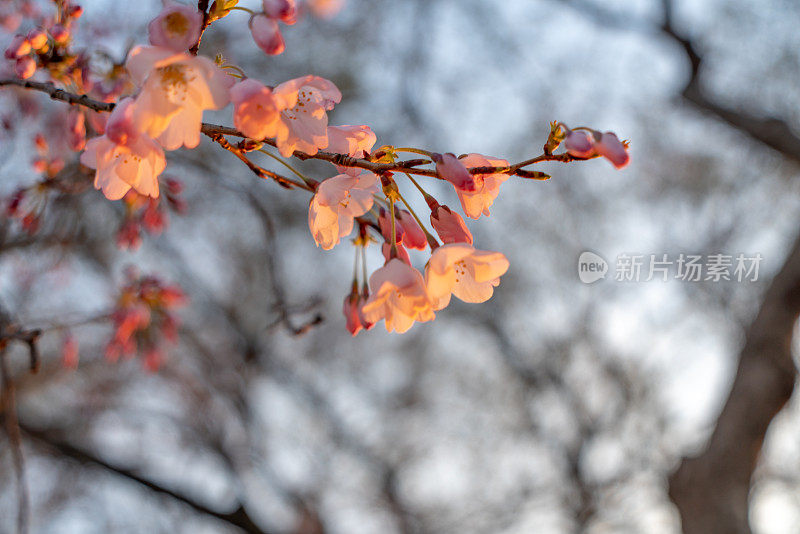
(153, 359)
(579, 144)
(385, 222)
(267, 35)
(451, 169)
(20, 46)
(450, 226)
(354, 318)
(177, 27)
(120, 127)
(283, 10)
(611, 148)
(76, 126)
(39, 165)
(75, 12)
(60, 34)
(413, 236)
(37, 38)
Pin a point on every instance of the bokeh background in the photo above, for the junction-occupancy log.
(555, 407)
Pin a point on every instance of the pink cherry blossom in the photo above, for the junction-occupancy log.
(124, 158)
(283, 10)
(19, 46)
(450, 168)
(25, 67)
(487, 186)
(397, 295)
(267, 34)
(255, 111)
(176, 88)
(325, 8)
(37, 38)
(407, 231)
(450, 226)
(76, 129)
(336, 203)
(461, 270)
(352, 310)
(177, 27)
(354, 141)
(579, 144)
(304, 116)
(611, 148)
(60, 34)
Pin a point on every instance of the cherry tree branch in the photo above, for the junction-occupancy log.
(238, 518)
(216, 132)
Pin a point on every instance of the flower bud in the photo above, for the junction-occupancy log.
(59, 33)
(413, 236)
(267, 35)
(579, 144)
(451, 169)
(37, 38)
(611, 148)
(450, 226)
(20, 46)
(76, 126)
(283, 10)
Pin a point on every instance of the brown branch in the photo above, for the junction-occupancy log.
(202, 7)
(238, 518)
(8, 408)
(216, 132)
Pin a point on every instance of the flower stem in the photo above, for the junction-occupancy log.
(307, 180)
(239, 8)
(419, 187)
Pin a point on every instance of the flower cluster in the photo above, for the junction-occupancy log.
(143, 318)
(157, 100)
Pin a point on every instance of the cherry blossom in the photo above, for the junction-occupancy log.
(255, 109)
(579, 144)
(407, 231)
(123, 157)
(304, 117)
(397, 295)
(450, 226)
(325, 8)
(177, 27)
(352, 310)
(283, 10)
(336, 203)
(176, 88)
(450, 168)
(354, 141)
(487, 186)
(462, 270)
(267, 34)
(611, 148)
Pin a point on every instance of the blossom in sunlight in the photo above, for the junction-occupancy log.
(353, 141)
(450, 168)
(407, 231)
(397, 295)
(255, 111)
(461, 270)
(336, 203)
(25, 67)
(611, 148)
(304, 116)
(579, 144)
(267, 34)
(124, 158)
(76, 129)
(450, 226)
(176, 88)
(325, 8)
(177, 27)
(352, 310)
(487, 186)
(283, 10)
